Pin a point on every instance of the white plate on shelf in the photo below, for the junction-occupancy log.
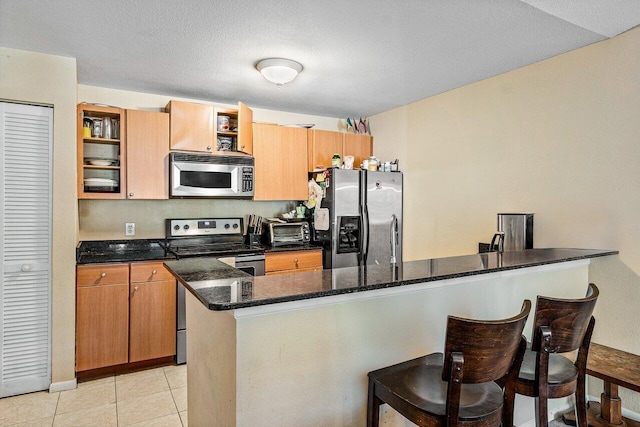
(100, 182)
(101, 162)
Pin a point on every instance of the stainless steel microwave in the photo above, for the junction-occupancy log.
(206, 175)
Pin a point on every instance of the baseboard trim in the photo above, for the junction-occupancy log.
(63, 386)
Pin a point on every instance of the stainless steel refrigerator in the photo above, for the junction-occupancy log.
(365, 219)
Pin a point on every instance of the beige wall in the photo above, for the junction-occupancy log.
(105, 219)
(559, 138)
(47, 79)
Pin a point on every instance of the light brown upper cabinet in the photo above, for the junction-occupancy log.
(240, 131)
(322, 145)
(359, 146)
(193, 127)
(280, 169)
(101, 148)
(147, 155)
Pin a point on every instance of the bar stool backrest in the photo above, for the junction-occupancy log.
(566, 319)
(488, 346)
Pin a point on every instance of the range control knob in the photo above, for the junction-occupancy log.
(227, 226)
(235, 225)
(186, 227)
(176, 227)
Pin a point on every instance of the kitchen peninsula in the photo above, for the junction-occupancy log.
(295, 349)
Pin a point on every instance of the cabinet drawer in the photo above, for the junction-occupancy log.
(293, 260)
(103, 274)
(149, 272)
(297, 270)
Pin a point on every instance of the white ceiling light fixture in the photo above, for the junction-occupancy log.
(279, 70)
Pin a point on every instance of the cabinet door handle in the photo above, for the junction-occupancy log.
(154, 272)
(242, 147)
(103, 275)
(295, 260)
(130, 194)
(208, 148)
(135, 288)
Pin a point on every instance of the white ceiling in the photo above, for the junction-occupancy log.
(360, 57)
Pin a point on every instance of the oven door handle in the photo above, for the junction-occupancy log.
(249, 258)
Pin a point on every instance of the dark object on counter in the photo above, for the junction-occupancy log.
(252, 239)
(497, 243)
(461, 384)
(515, 233)
(559, 326)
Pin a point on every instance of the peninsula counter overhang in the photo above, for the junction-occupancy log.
(221, 287)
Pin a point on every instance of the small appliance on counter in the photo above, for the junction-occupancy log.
(280, 233)
(515, 233)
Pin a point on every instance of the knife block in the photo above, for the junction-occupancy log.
(252, 239)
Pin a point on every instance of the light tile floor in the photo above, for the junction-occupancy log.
(153, 397)
(150, 398)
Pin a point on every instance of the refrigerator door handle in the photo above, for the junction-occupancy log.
(364, 215)
(394, 238)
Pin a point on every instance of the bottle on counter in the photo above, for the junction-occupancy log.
(336, 161)
(373, 163)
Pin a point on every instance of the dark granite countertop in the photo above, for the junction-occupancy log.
(220, 287)
(106, 251)
(103, 251)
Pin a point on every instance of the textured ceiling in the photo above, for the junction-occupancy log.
(360, 57)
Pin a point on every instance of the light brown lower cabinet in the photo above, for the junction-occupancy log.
(293, 261)
(124, 313)
(102, 332)
(152, 308)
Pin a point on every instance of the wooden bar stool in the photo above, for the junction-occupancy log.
(559, 326)
(457, 387)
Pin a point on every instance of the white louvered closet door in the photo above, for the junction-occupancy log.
(26, 135)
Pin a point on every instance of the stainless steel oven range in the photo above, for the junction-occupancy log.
(205, 237)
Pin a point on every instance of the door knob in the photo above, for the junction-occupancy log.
(25, 267)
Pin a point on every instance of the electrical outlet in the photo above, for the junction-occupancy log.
(130, 229)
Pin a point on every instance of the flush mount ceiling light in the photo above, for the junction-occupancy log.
(279, 70)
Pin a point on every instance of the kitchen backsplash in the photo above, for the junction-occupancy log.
(105, 219)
